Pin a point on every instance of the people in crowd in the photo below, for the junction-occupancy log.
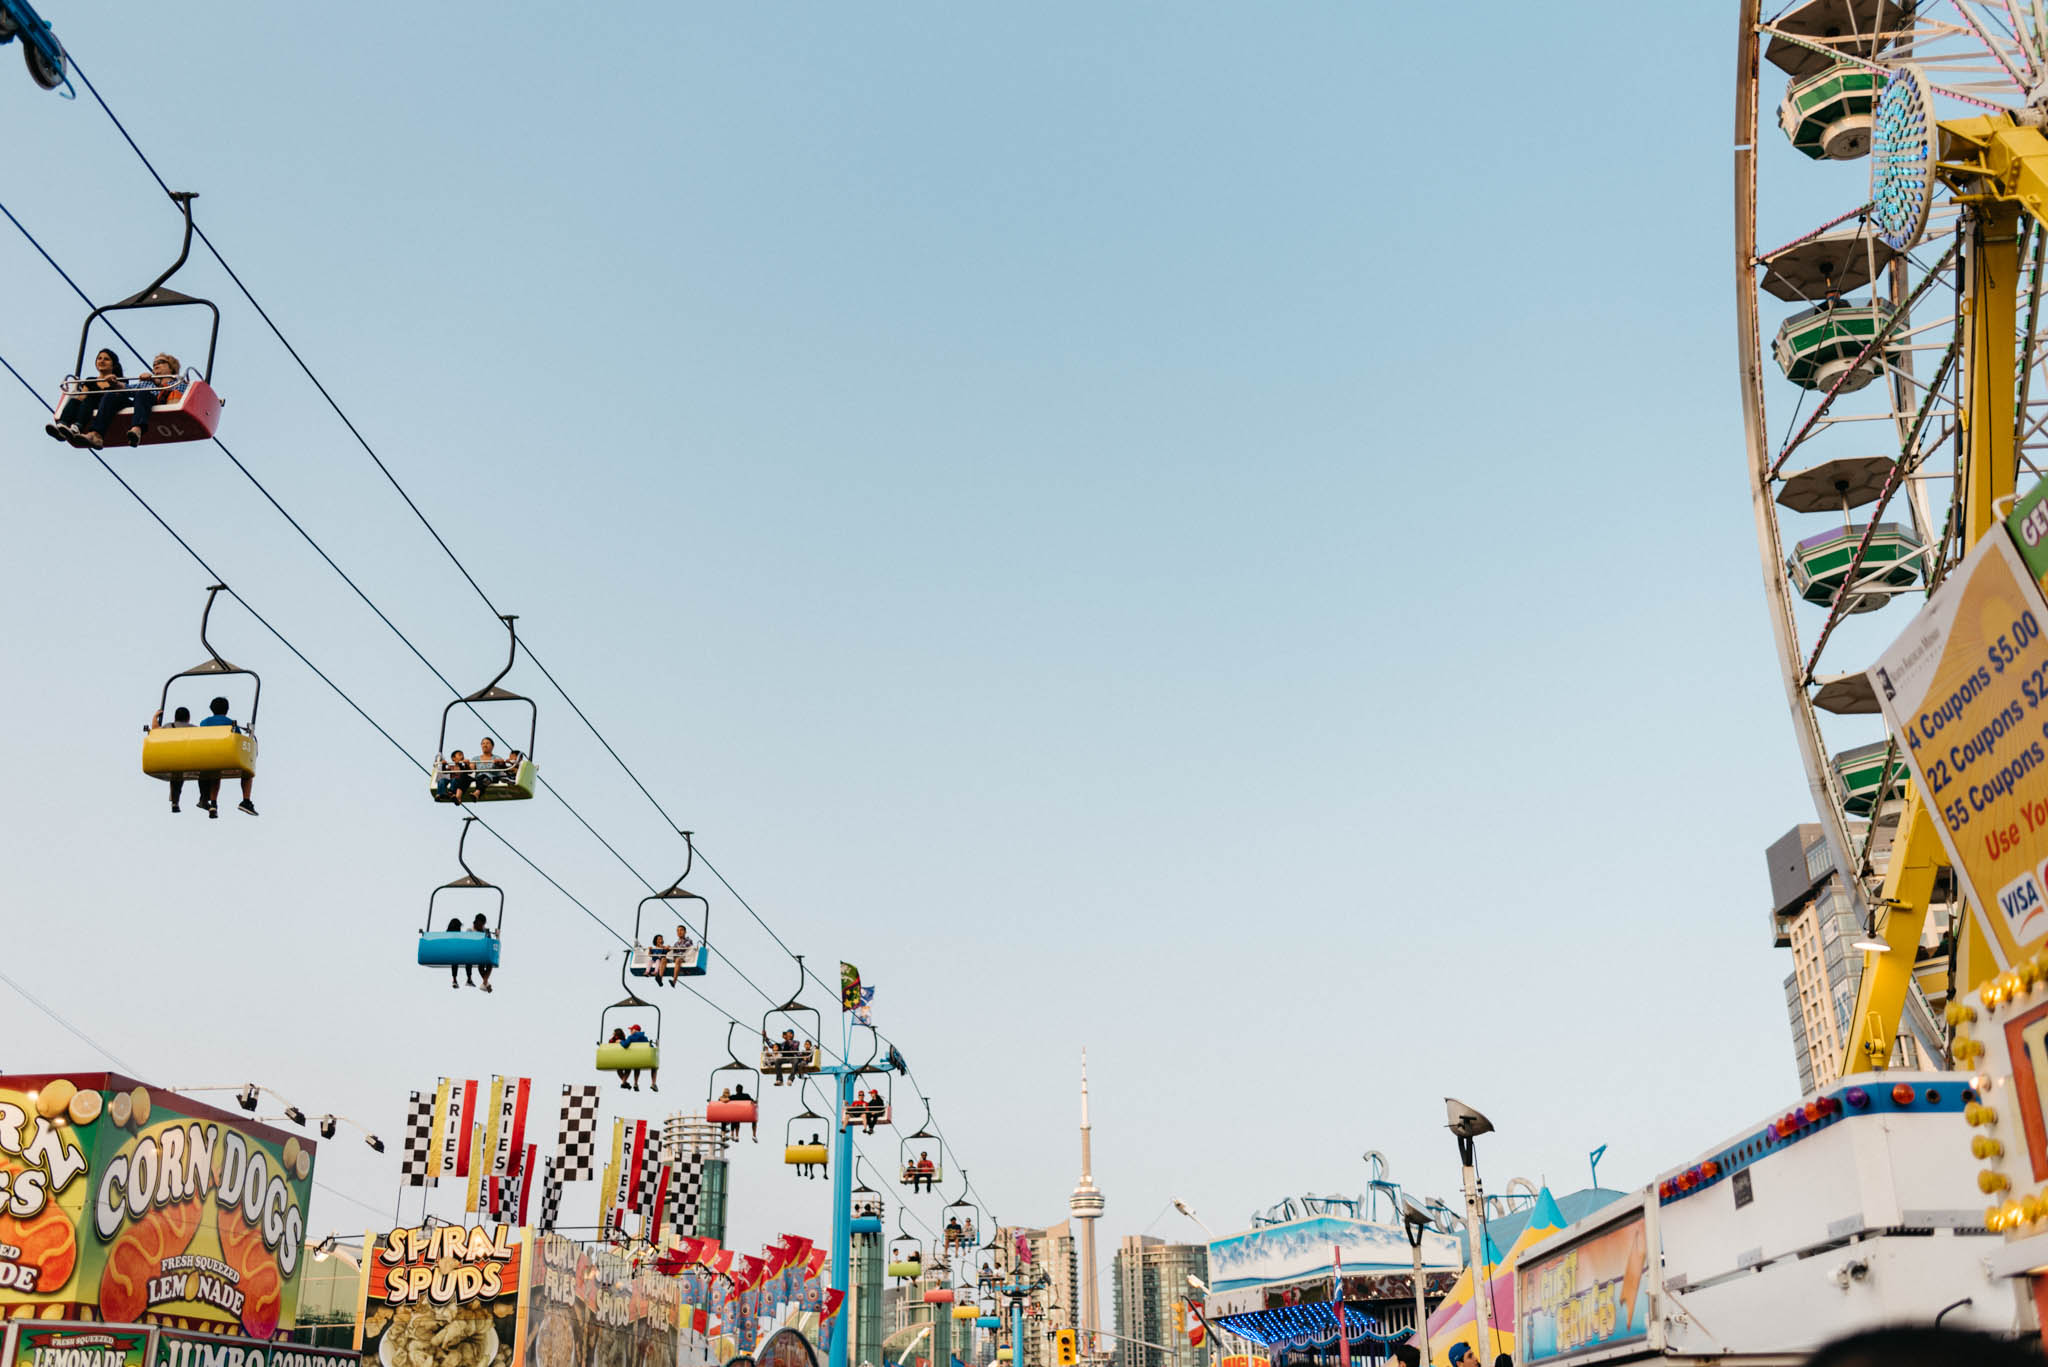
(921, 1173)
(657, 957)
(209, 788)
(180, 718)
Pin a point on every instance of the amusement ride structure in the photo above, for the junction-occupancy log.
(1889, 264)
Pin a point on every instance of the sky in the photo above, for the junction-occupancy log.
(1212, 533)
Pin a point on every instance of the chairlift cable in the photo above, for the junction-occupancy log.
(461, 568)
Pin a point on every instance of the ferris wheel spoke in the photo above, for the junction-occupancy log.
(1992, 45)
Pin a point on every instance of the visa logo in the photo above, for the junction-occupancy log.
(2022, 904)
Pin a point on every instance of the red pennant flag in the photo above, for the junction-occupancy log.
(529, 1176)
(720, 1262)
(752, 1270)
(639, 1146)
(832, 1300)
(815, 1264)
(468, 1116)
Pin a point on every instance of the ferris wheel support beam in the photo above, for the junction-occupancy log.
(2001, 169)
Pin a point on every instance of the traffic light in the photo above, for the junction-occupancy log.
(1063, 1348)
(1180, 1317)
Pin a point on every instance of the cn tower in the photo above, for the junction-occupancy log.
(1085, 1205)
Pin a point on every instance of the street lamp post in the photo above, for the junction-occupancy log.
(1468, 1124)
(1416, 1221)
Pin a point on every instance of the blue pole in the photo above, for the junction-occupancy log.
(837, 1344)
(1016, 1331)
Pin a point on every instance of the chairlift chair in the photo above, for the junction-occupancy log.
(191, 416)
(686, 959)
(797, 1151)
(951, 1215)
(791, 1064)
(203, 752)
(504, 784)
(866, 1206)
(462, 948)
(906, 1255)
(613, 1058)
(914, 1174)
(865, 1116)
(739, 1111)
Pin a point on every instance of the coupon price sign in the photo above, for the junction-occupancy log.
(1965, 692)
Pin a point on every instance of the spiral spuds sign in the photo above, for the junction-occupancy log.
(129, 1205)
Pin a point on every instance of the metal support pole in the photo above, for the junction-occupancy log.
(1016, 1333)
(1475, 1244)
(839, 1342)
(1421, 1306)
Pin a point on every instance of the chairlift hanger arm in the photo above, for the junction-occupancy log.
(154, 295)
(214, 663)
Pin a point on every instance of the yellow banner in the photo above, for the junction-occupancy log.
(437, 1155)
(489, 1142)
(607, 1191)
(1965, 692)
(476, 1168)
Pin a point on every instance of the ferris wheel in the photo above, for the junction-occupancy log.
(1854, 264)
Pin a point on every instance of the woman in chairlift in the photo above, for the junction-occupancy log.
(94, 404)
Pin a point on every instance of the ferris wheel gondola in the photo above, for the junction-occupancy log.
(689, 956)
(489, 776)
(464, 944)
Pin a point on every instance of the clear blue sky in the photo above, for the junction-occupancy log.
(1215, 532)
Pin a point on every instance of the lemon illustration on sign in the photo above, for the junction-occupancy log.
(120, 1110)
(84, 1108)
(55, 1097)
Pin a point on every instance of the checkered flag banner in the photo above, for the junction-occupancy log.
(685, 1183)
(650, 1174)
(417, 1163)
(550, 1193)
(576, 1144)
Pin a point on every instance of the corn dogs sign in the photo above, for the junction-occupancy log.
(126, 1205)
